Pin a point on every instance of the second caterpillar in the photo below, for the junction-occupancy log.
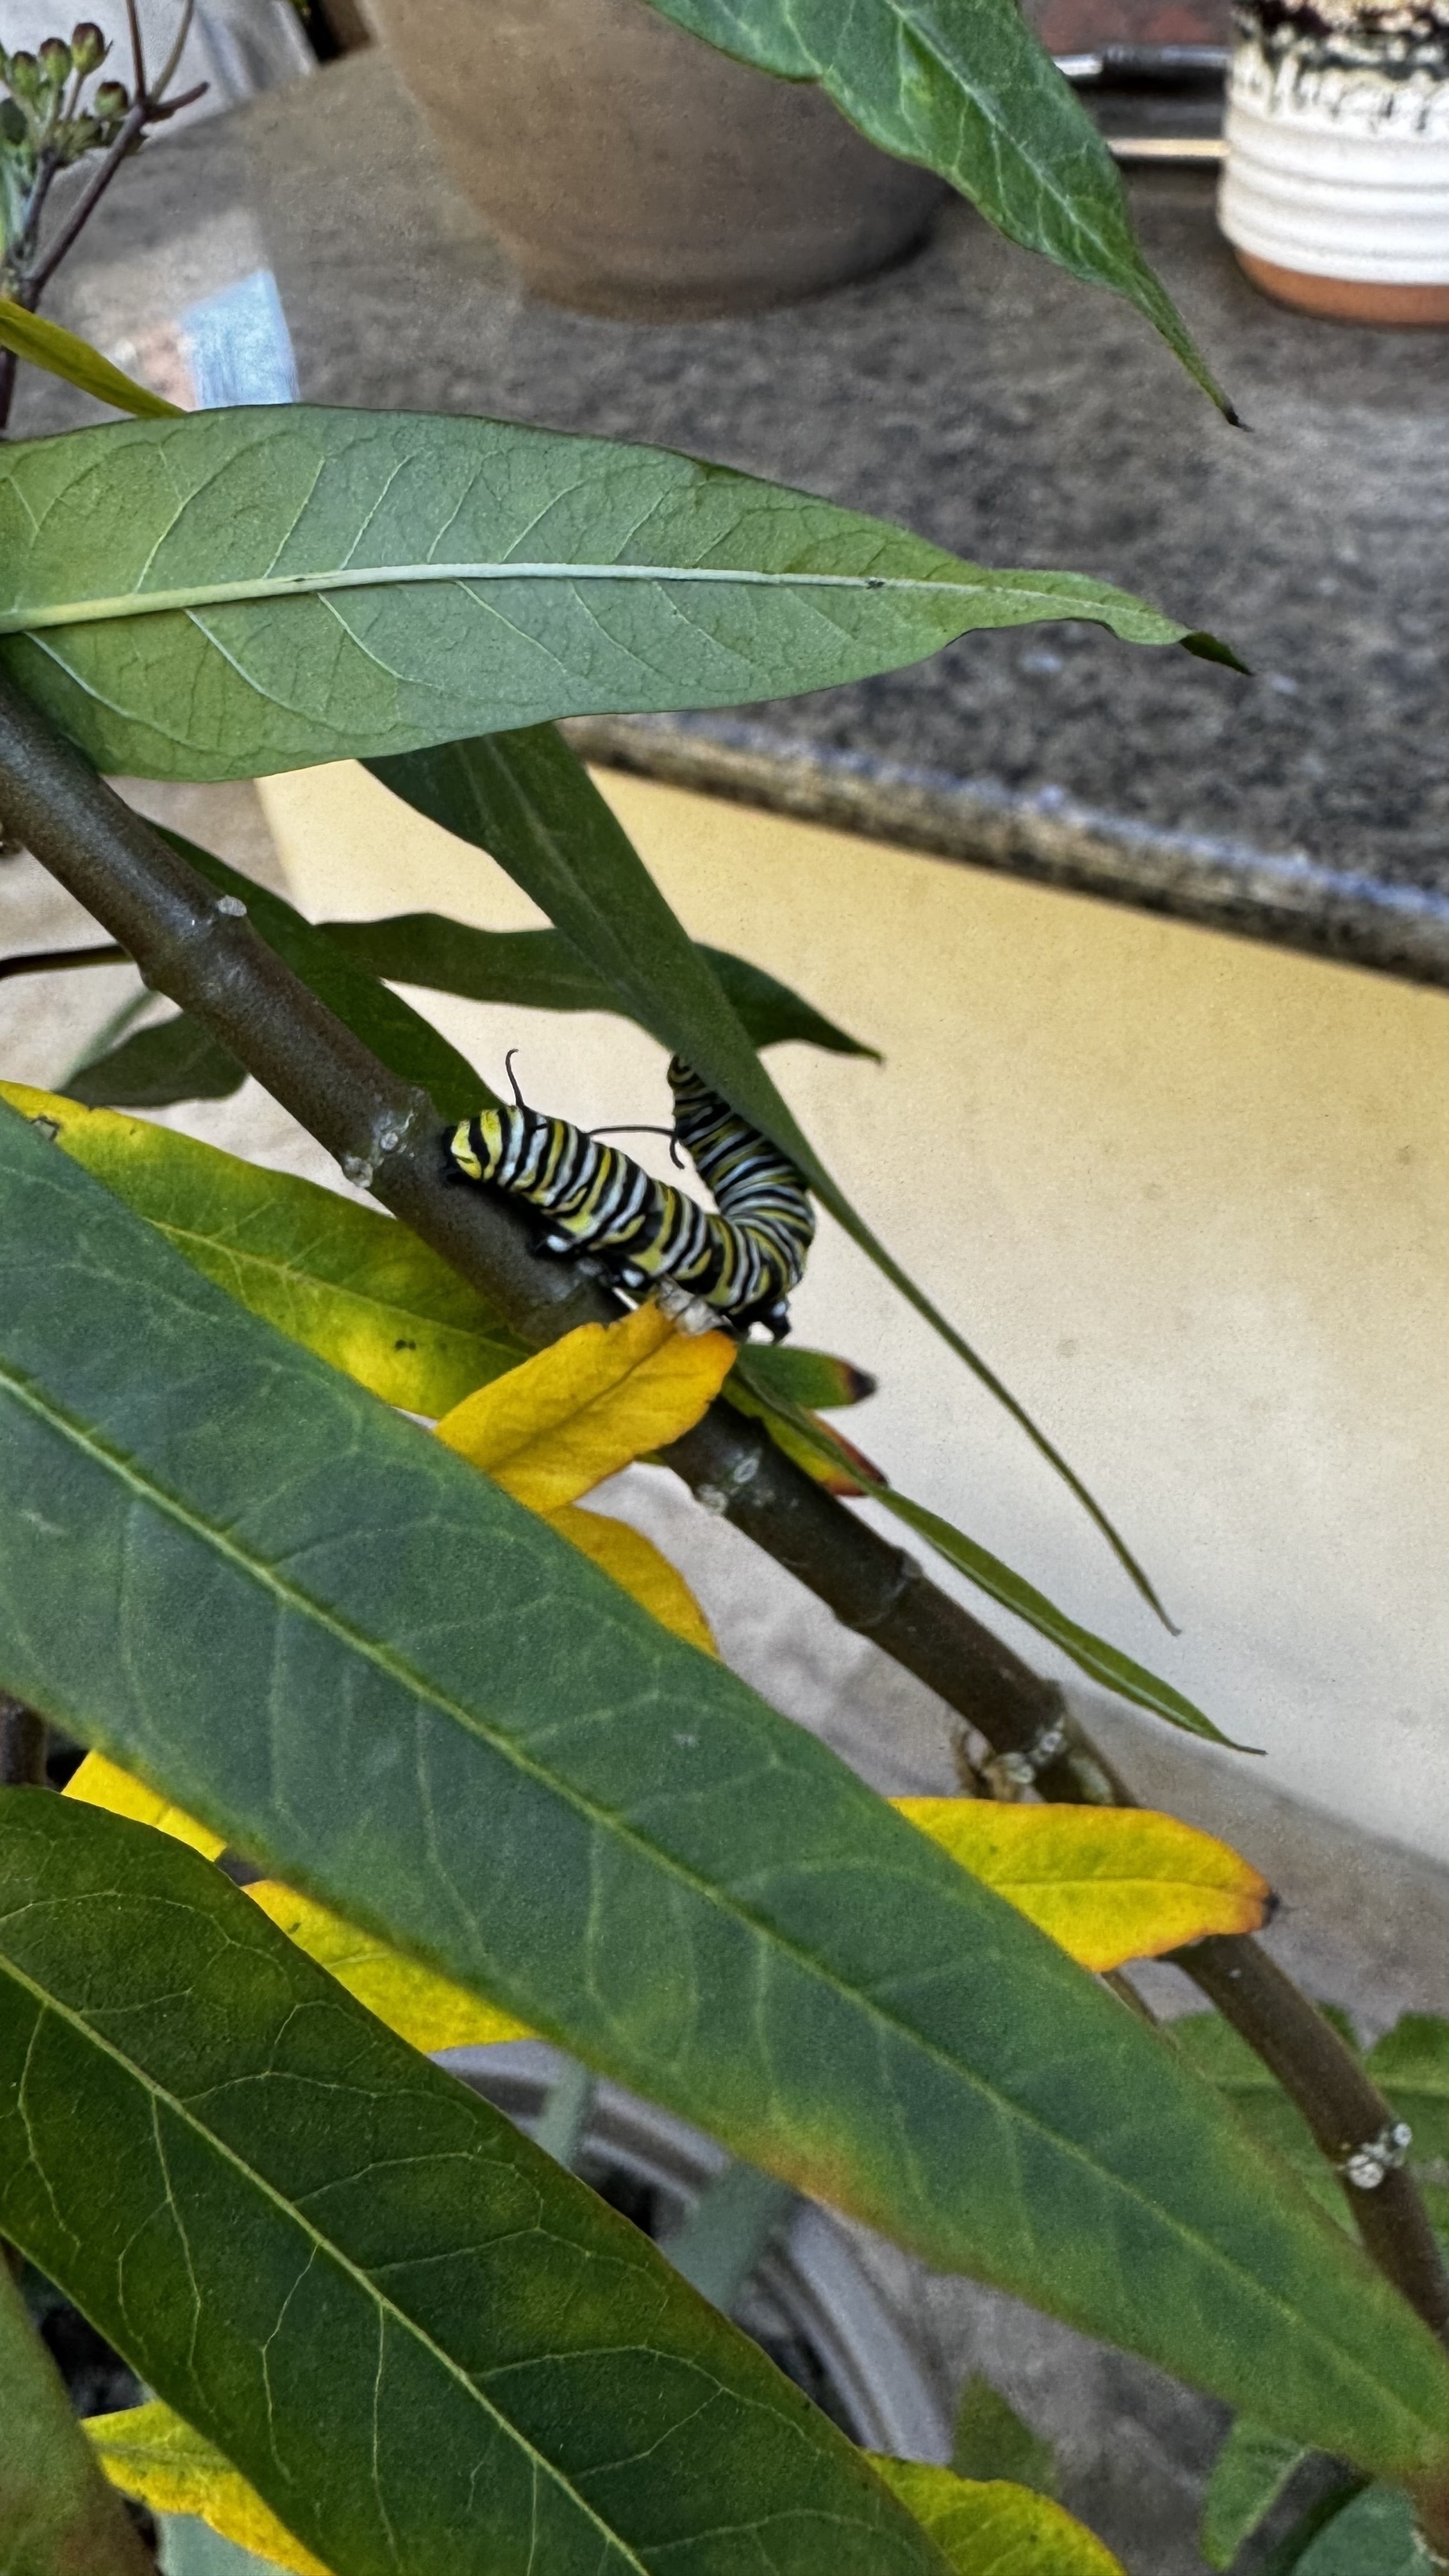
(741, 1262)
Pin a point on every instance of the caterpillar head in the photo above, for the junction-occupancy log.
(476, 1145)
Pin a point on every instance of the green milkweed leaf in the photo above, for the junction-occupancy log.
(422, 2342)
(1411, 2065)
(965, 87)
(57, 2515)
(314, 1629)
(990, 2440)
(1372, 2535)
(1249, 2475)
(1091, 1654)
(790, 1374)
(531, 804)
(254, 590)
(184, 1063)
(178, 1060)
(1290, 2553)
(541, 970)
(407, 1043)
(175, 1060)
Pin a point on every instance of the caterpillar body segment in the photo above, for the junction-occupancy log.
(741, 1259)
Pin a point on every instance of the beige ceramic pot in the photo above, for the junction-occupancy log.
(631, 170)
(1335, 192)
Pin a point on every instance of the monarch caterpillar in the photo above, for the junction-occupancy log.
(742, 1262)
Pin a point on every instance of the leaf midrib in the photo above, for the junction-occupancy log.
(264, 586)
(669, 1864)
(160, 2094)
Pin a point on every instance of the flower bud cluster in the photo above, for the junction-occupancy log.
(44, 116)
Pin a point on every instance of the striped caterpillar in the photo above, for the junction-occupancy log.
(741, 1263)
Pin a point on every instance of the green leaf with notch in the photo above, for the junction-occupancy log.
(47, 345)
(531, 804)
(965, 88)
(254, 590)
(422, 2342)
(541, 970)
(320, 1633)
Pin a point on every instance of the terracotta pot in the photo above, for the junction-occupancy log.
(1335, 192)
(632, 170)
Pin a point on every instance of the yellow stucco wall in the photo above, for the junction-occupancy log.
(1189, 1194)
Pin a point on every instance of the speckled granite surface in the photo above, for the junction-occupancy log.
(1015, 417)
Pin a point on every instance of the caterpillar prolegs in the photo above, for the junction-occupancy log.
(741, 1262)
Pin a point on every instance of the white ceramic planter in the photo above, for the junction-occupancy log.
(1335, 192)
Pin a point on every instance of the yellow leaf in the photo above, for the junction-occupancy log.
(585, 1407)
(98, 1783)
(985, 2527)
(1108, 1883)
(423, 2008)
(48, 345)
(636, 1563)
(150, 2454)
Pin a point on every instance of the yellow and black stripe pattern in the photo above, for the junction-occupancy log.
(742, 1262)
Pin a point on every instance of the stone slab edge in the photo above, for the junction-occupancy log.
(1043, 835)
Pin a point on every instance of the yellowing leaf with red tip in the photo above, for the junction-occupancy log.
(1108, 1883)
(151, 2454)
(636, 1563)
(579, 1411)
(99, 1783)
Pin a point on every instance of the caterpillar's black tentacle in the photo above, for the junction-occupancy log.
(742, 1261)
(640, 1127)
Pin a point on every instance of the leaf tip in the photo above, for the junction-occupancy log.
(1211, 648)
